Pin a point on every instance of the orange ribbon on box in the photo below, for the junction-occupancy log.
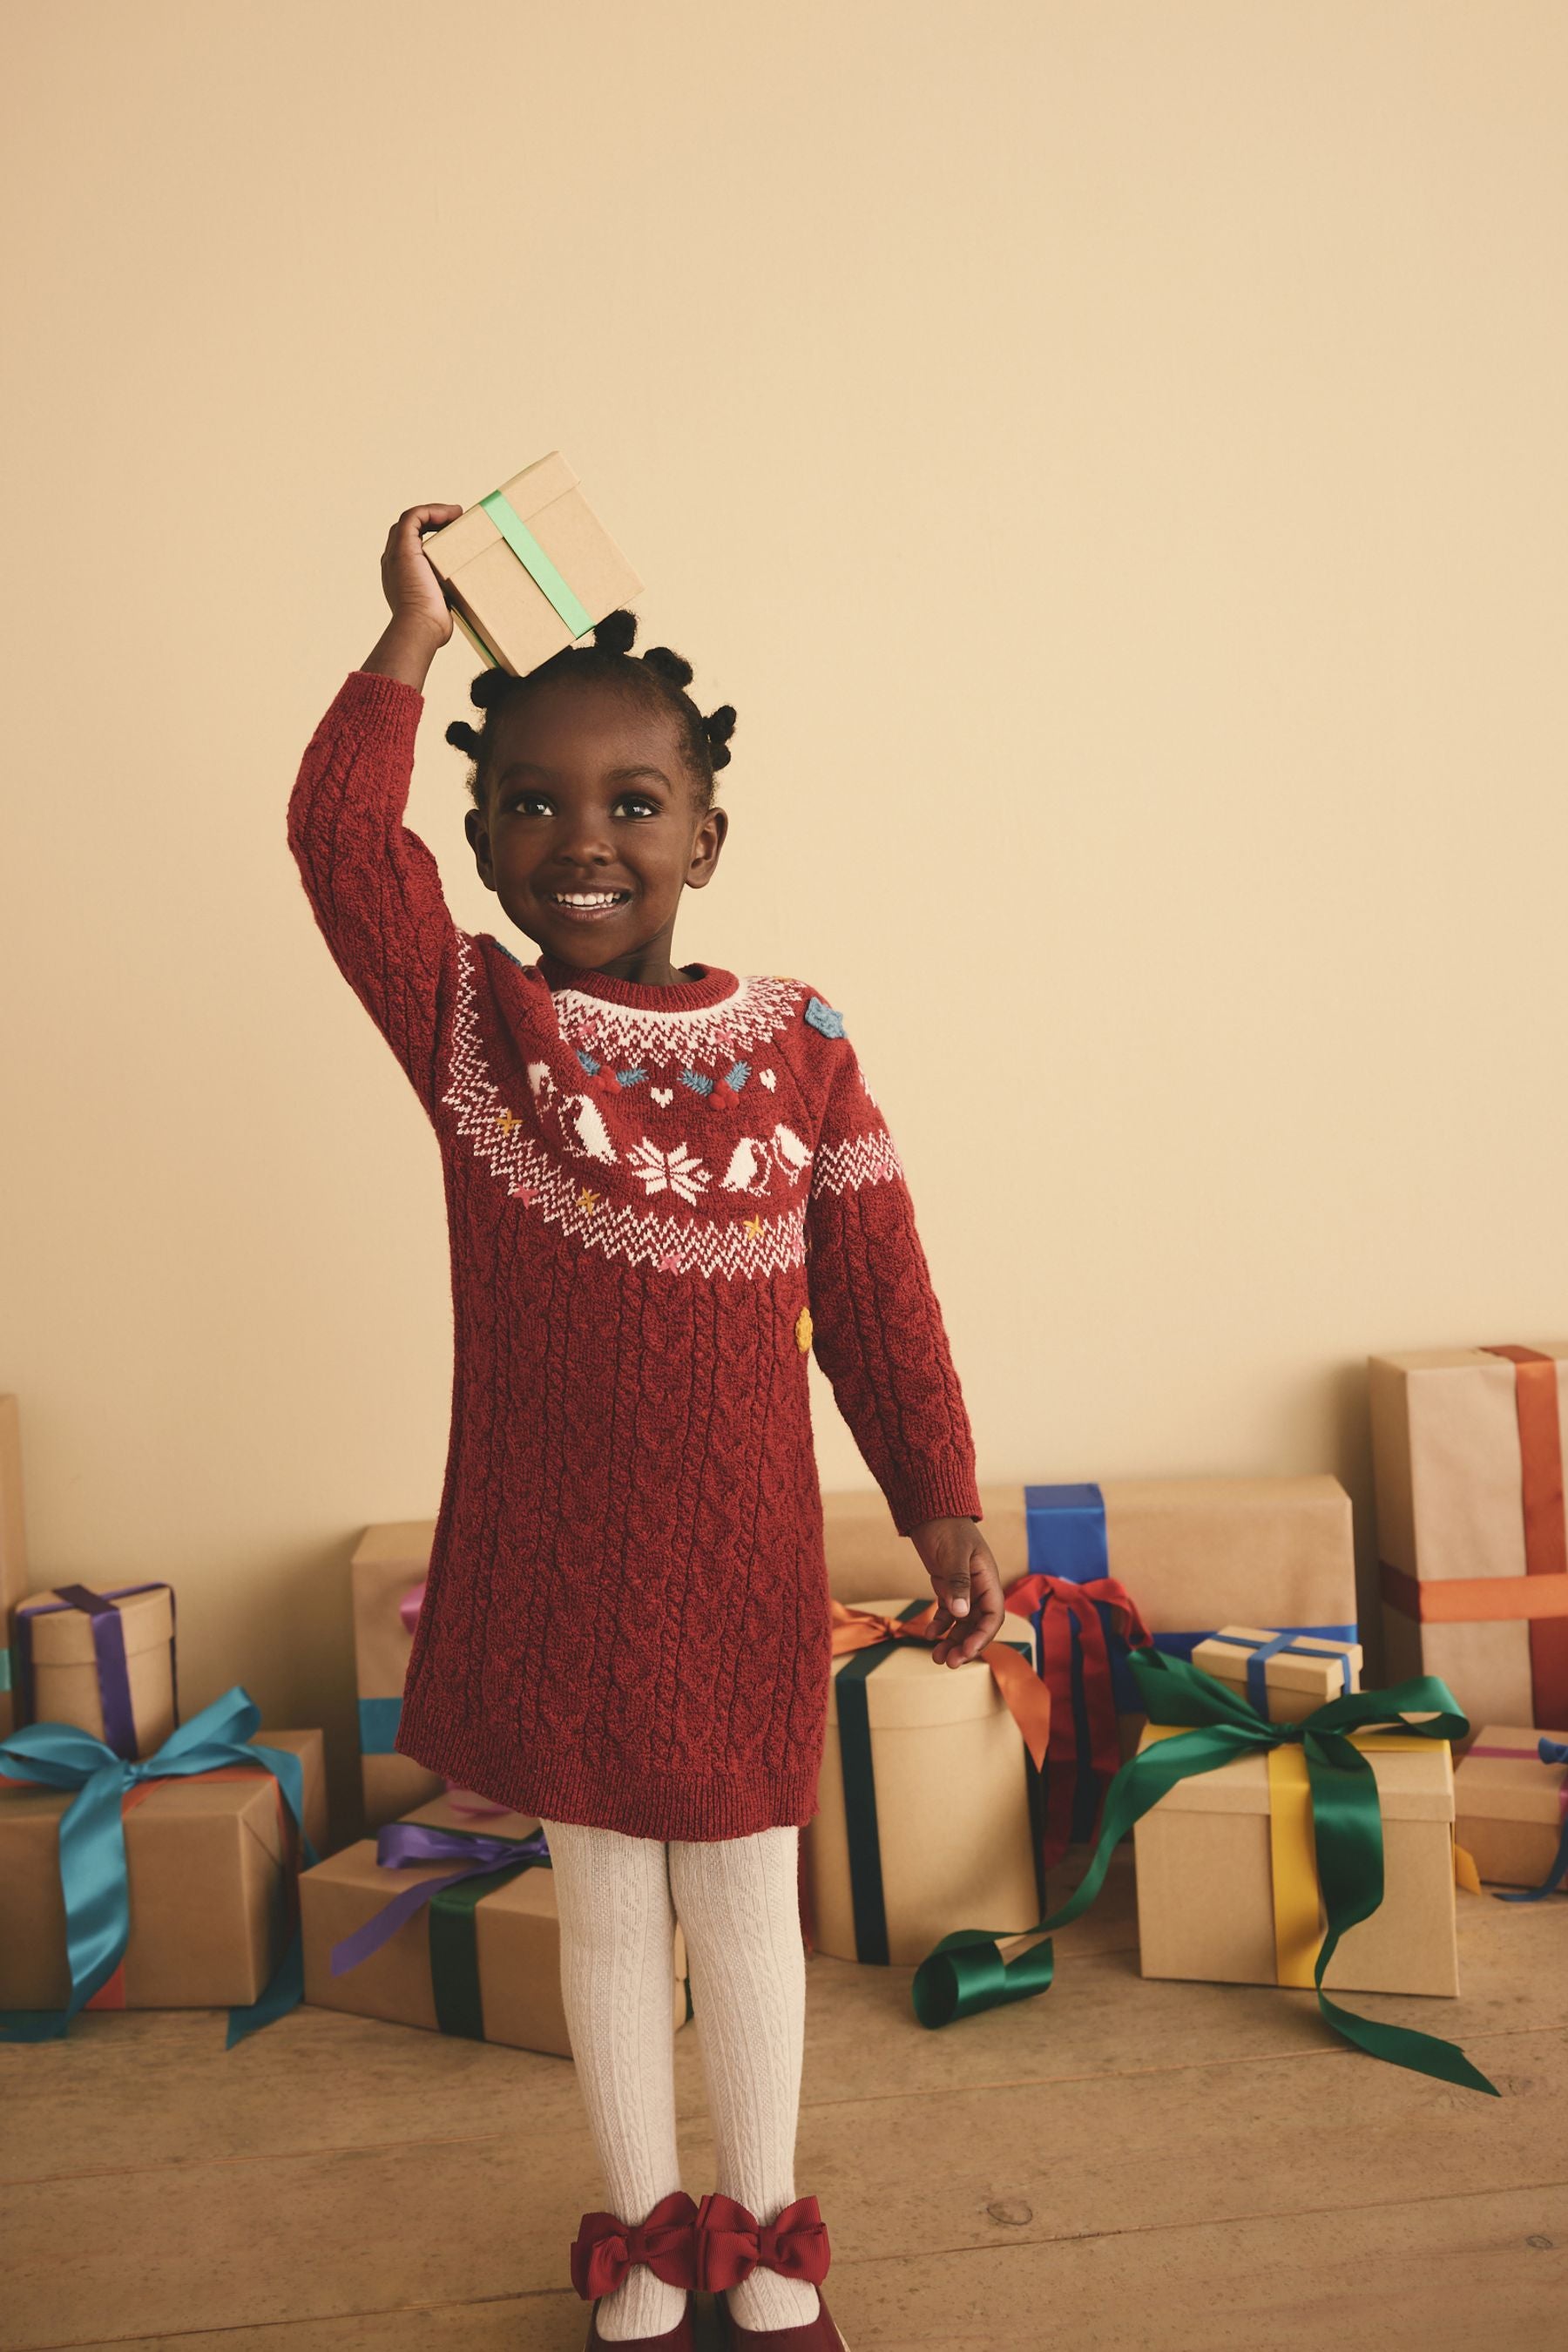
(1540, 1596)
(1025, 1695)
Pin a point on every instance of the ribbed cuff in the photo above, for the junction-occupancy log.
(937, 1490)
(377, 702)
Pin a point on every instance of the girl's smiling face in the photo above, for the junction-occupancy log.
(588, 796)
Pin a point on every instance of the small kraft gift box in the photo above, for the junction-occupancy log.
(1468, 1451)
(209, 1862)
(1227, 1876)
(387, 1578)
(1511, 1797)
(925, 1819)
(13, 1554)
(452, 1928)
(1283, 1675)
(530, 569)
(104, 1660)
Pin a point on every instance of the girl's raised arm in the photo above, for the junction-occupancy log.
(374, 886)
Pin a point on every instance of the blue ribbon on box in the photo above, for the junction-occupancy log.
(378, 1721)
(94, 1880)
(1065, 1527)
(1279, 1645)
(1550, 1751)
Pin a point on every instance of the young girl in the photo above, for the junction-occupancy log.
(664, 1185)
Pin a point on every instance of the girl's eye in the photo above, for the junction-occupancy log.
(526, 803)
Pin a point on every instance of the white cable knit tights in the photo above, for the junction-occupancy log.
(618, 1898)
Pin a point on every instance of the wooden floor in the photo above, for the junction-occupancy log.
(1156, 2167)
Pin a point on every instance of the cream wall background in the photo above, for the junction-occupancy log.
(1113, 458)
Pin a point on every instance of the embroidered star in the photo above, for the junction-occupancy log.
(754, 1226)
(588, 1201)
(506, 1120)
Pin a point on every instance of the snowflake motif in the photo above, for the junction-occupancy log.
(678, 1171)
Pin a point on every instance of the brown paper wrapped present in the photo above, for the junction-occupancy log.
(1511, 1804)
(482, 1958)
(1194, 1553)
(926, 1814)
(1283, 1675)
(104, 1660)
(1228, 1882)
(387, 1576)
(530, 569)
(208, 1861)
(1468, 1451)
(13, 1554)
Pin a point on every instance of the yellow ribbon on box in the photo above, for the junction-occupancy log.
(1292, 1850)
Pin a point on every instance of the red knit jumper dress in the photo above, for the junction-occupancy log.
(658, 1200)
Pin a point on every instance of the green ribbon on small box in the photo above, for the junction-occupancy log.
(540, 569)
(965, 1971)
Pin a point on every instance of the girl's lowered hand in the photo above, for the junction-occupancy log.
(411, 587)
(959, 1561)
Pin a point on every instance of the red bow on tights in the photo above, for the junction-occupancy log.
(1064, 1605)
(604, 2248)
(732, 2242)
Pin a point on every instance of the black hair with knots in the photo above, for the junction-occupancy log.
(658, 678)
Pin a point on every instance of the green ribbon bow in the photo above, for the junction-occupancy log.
(965, 1972)
(94, 1881)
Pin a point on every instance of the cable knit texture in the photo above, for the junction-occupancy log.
(658, 1199)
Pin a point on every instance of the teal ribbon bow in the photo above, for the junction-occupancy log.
(93, 1878)
(965, 1972)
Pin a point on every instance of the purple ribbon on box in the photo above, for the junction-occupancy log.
(109, 1652)
(401, 1845)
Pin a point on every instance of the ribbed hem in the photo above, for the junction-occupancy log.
(714, 985)
(941, 1492)
(648, 1805)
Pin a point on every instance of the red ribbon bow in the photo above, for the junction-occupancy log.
(732, 2242)
(1067, 1605)
(604, 2248)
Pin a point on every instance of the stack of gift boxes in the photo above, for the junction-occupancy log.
(145, 1863)
(934, 1803)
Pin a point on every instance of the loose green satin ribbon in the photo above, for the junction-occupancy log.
(966, 1972)
(93, 1878)
(535, 561)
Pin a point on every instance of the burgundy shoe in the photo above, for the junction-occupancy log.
(604, 2250)
(731, 2242)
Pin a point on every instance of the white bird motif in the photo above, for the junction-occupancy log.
(754, 1159)
(575, 1119)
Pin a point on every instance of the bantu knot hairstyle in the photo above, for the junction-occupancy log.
(658, 678)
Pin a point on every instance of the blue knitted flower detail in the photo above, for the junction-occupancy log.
(822, 1016)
